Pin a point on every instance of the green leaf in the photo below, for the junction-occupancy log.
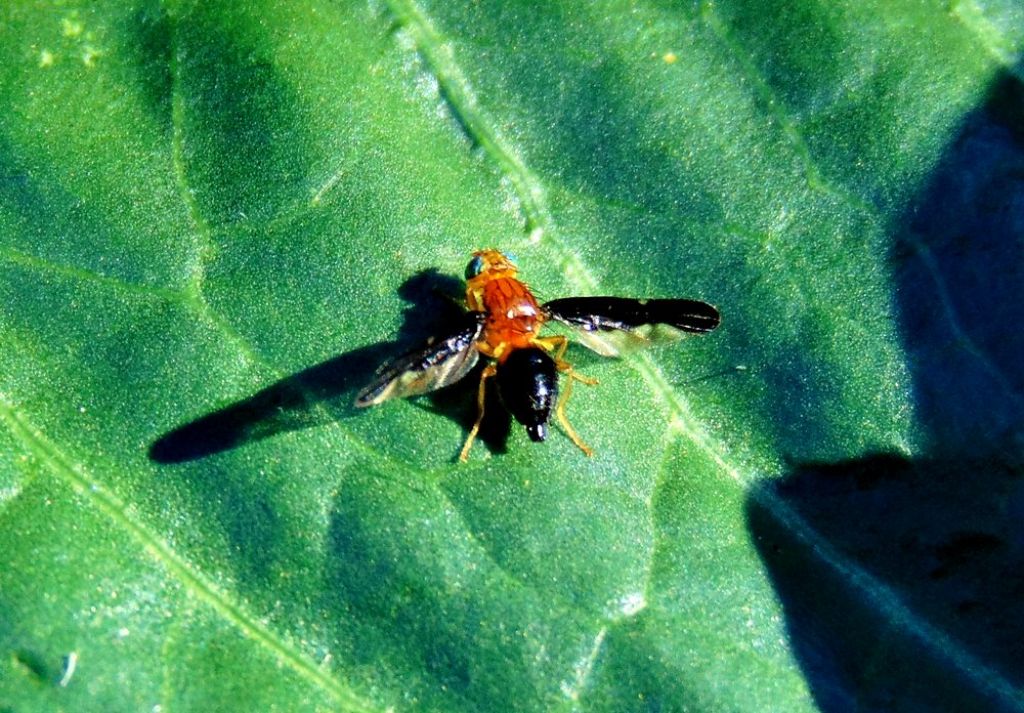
(217, 219)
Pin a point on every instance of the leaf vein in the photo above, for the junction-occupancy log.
(963, 339)
(539, 221)
(107, 502)
(996, 44)
(467, 109)
(203, 310)
(887, 601)
(45, 264)
(206, 244)
(583, 672)
(204, 247)
(774, 106)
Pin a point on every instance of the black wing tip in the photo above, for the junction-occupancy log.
(706, 320)
(604, 313)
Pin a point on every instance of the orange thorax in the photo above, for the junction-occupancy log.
(513, 316)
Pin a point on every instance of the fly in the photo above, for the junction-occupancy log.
(503, 324)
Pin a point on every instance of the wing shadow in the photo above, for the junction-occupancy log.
(325, 392)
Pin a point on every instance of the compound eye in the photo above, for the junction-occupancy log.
(475, 267)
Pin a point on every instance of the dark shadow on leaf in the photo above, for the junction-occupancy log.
(34, 664)
(244, 152)
(903, 591)
(326, 392)
(939, 539)
(403, 585)
(150, 47)
(386, 588)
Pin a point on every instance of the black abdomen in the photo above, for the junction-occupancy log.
(528, 384)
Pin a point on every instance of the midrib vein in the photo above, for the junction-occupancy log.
(463, 102)
(204, 240)
(466, 107)
(531, 193)
(995, 43)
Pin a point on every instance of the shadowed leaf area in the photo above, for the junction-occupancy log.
(217, 221)
(325, 392)
(939, 535)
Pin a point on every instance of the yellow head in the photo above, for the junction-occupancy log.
(491, 262)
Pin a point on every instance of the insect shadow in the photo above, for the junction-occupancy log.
(325, 392)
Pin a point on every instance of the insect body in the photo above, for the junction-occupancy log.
(503, 324)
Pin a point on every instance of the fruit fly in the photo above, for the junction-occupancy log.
(503, 324)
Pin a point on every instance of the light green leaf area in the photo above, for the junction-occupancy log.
(217, 219)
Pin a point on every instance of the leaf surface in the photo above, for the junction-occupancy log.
(216, 221)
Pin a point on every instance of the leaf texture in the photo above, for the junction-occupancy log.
(217, 220)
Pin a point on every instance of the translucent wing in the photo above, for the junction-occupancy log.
(439, 363)
(612, 326)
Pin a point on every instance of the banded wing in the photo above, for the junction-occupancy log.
(440, 363)
(612, 326)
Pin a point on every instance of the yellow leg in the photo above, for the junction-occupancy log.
(558, 345)
(564, 420)
(487, 373)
